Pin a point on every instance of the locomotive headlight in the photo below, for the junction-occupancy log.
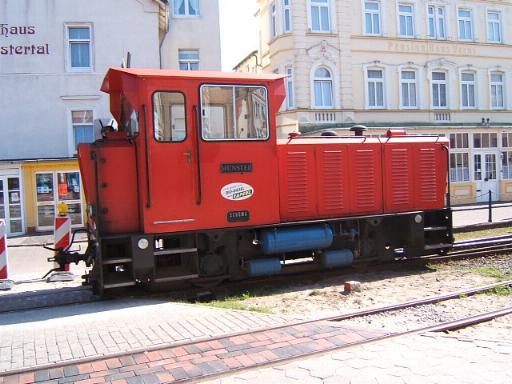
(418, 219)
(143, 243)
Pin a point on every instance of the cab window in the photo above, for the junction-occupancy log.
(234, 112)
(169, 116)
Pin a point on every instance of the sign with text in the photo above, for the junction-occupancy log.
(8, 31)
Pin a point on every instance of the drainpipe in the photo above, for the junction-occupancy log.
(166, 6)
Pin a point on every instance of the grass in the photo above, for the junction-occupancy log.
(236, 302)
(490, 272)
(501, 291)
(497, 274)
(461, 236)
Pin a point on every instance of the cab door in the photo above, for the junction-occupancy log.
(238, 157)
(170, 203)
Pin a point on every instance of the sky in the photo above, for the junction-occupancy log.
(238, 31)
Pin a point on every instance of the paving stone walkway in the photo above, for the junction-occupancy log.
(201, 359)
(53, 335)
(417, 359)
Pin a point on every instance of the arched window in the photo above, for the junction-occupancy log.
(322, 86)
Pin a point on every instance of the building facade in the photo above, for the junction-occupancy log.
(193, 39)
(433, 67)
(53, 57)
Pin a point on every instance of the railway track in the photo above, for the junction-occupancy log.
(231, 353)
(469, 249)
(79, 295)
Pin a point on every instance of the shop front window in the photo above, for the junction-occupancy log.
(10, 204)
(52, 188)
(506, 165)
(459, 167)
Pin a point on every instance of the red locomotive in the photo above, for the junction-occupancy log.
(195, 186)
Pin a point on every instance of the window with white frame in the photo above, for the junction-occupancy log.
(459, 157)
(467, 90)
(186, 8)
(287, 16)
(506, 139)
(465, 21)
(459, 140)
(439, 90)
(497, 90)
(506, 156)
(406, 19)
(80, 47)
(375, 88)
(273, 21)
(322, 87)
(320, 16)
(82, 122)
(506, 165)
(188, 59)
(408, 88)
(485, 140)
(459, 167)
(494, 27)
(290, 97)
(372, 18)
(436, 22)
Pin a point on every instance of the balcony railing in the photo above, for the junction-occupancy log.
(325, 117)
(442, 116)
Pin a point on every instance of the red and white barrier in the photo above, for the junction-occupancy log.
(62, 234)
(4, 261)
(3, 251)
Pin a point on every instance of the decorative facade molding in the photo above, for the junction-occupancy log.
(323, 50)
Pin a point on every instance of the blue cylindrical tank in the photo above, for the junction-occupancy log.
(337, 258)
(264, 267)
(310, 237)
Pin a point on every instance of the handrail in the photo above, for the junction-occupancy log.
(148, 172)
(196, 119)
(448, 194)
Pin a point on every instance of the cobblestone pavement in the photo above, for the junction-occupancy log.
(472, 356)
(46, 298)
(44, 336)
(200, 359)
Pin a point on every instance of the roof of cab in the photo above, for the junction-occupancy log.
(113, 76)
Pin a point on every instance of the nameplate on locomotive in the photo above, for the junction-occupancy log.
(238, 216)
(236, 167)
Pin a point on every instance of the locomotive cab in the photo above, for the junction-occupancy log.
(192, 150)
(195, 186)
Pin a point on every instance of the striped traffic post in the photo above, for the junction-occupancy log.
(62, 236)
(62, 230)
(5, 283)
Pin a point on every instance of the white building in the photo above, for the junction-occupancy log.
(193, 40)
(439, 66)
(53, 57)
